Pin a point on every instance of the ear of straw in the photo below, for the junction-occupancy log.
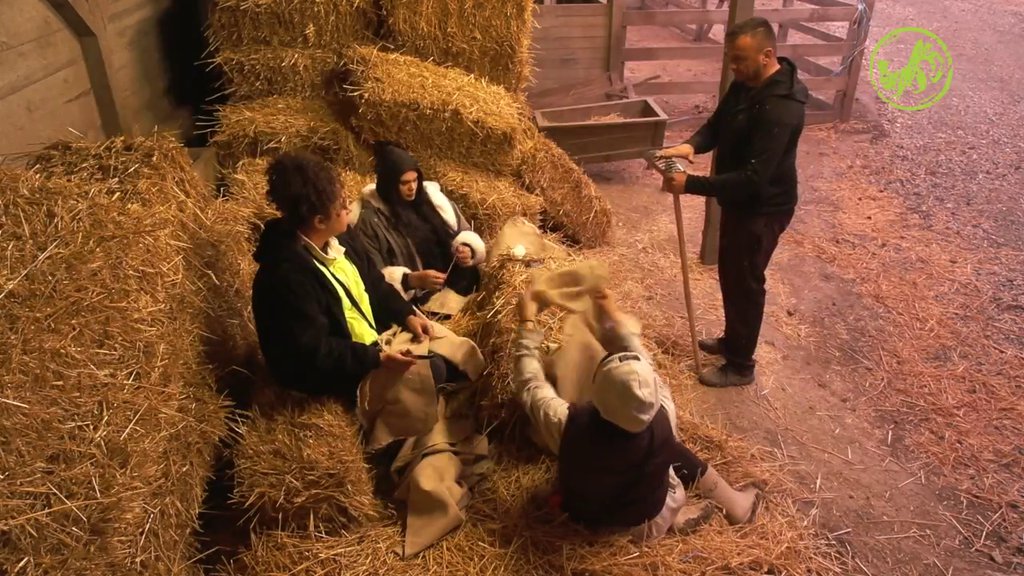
(304, 469)
(509, 531)
(485, 199)
(490, 40)
(252, 73)
(573, 205)
(432, 110)
(323, 24)
(107, 413)
(273, 125)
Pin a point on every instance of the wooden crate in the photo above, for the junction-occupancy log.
(607, 131)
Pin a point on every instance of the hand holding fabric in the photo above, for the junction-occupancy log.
(420, 328)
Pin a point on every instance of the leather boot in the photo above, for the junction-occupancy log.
(712, 346)
(725, 376)
(741, 506)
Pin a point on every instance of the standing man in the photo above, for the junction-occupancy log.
(755, 128)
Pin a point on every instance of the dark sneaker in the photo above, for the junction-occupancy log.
(725, 376)
(712, 346)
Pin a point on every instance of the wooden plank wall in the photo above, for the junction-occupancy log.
(570, 43)
(136, 64)
(44, 85)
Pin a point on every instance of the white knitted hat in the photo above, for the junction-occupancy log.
(625, 391)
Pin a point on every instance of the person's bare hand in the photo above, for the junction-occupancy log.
(427, 280)
(684, 151)
(674, 183)
(527, 306)
(396, 362)
(463, 255)
(420, 328)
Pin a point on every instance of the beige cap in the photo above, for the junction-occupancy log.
(625, 391)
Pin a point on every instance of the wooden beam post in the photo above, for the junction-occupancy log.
(783, 34)
(86, 22)
(858, 35)
(616, 41)
(739, 10)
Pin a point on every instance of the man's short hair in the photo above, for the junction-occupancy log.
(757, 28)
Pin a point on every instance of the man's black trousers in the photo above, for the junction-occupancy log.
(746, 245)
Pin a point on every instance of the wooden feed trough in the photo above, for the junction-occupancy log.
(607, 131)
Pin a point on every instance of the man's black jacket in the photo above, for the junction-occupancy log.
(756, 131)
(300, 320)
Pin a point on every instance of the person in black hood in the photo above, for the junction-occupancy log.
(755, 128)
(318, 302)
(415, 235)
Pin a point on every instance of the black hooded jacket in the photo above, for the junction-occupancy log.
(300, 321)
(756, 131)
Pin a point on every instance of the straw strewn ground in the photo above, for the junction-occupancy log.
(263, 72)
(305, 469)
(103, 414)
(508, 533)
(430, 110)
(272, 125)
(323, 24)
(488, 39)
(488, 201)
(573, 206)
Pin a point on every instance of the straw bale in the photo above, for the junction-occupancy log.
(305, 469)
(106, 417)
(574, 206)
(486, 199)
(248, 181)
(507, 532)
(273, 125)
(488, 39)
(434, 111)
(257, 72)
(322, 24)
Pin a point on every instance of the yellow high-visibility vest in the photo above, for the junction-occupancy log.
(344, 270)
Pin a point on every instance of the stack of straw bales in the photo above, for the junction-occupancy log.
(272, 125)
(318, 24)
(304, 469)
(488, 39)
(109, 418)
(486, 199)
(573, 205)
(443, 112)
(267, 71)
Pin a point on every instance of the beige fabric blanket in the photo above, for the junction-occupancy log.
(435, 473)
(394, 406)
(571, 366)
(519, 231)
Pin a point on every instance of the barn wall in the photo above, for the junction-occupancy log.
(570, 43)
(45, 87)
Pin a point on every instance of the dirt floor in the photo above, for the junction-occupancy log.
(890, 359)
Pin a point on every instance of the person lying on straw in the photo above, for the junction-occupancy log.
(320, 305)
(621, 466)
(416, 236)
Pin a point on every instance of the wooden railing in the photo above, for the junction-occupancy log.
(842, 80)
